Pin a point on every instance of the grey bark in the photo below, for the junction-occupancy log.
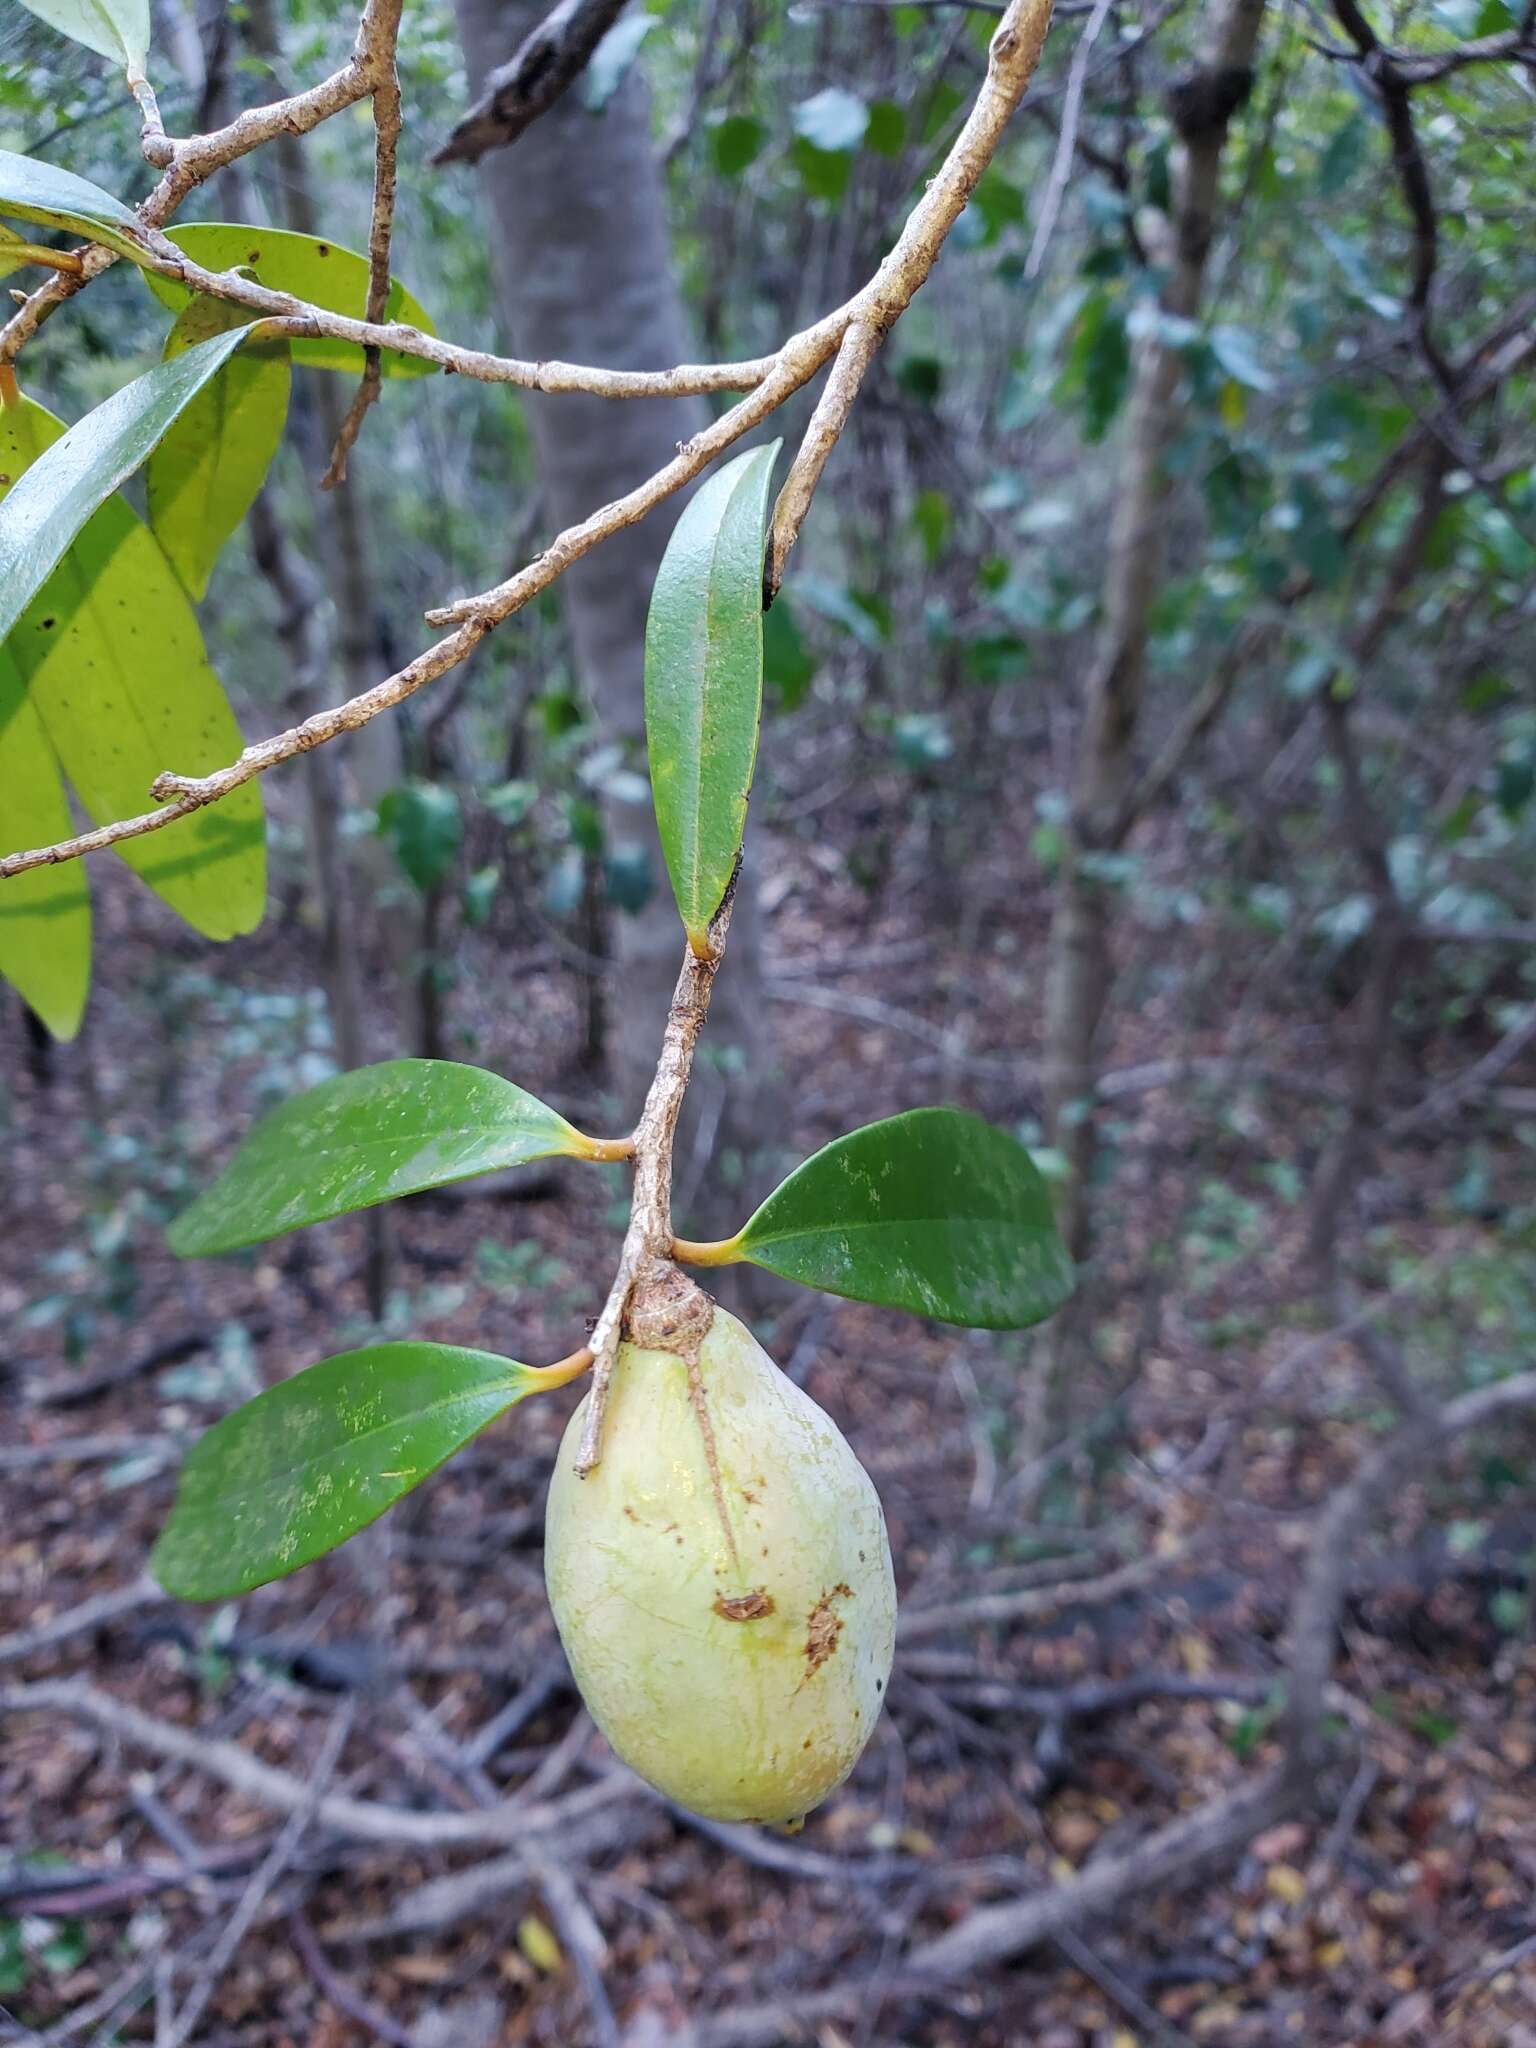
(585, 273)
(1202, 105)
(1079, 964)
(300, 600)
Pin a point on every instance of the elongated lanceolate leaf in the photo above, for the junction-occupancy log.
(45, 915)
(206, 471)
(933, 1211)
(44, 511)
(704, 682)
(367, 1137)
(321, 273)
(115, 28)
(51, 198)
(310, 1462)
(112, 661)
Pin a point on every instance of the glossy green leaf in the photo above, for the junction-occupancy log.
(310, 1462)
(118, 29)
(45, 914)
(50, 503)
(704, 682)
(113, 662)
(322, 273)
(366, 1137)
(52, 198)
(933, 1211)
(205, 473)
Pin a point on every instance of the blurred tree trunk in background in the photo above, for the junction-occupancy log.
(585, 274)
(1202, 105)
(374, 759)
(307, 649)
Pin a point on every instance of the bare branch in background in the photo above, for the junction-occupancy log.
(386, 127)
(1061, 164)
(1381, 68)
(544, 67)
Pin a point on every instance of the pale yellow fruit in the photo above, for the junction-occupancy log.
(722, 1581)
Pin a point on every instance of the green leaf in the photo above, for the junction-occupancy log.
(735, 143)
(423, 824)
(310, 1462)
(52, 198)
(115, 28)
(204, 475)
(887, 133)
(789, 669)
(45, 915)
(322, 273)
(44, 511)
(704, 682)
(1101, 361)
(10, 259)
(113, 663)
(823, 172)
(933, 1211)
(366, 1137)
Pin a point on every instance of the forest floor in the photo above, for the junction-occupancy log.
(1162, 1547)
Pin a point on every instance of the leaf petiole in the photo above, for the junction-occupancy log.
(545, 1378)
(720, 1251)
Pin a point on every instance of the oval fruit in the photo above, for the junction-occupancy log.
(722, 1581)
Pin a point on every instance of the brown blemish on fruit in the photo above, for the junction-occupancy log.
(746, 1606)
(824, 1628)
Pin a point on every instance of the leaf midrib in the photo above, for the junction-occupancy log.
(513, 1388)
(748, 1241)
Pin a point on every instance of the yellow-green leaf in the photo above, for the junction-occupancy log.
(53, 198)
(13, 252)
(113, 662)
(45, 914)
(319, 272)
(66, 480)
(207, 469)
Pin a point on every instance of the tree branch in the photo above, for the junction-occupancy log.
(386, 128)
(548, 61)
(649, 1232)
(1014, 53)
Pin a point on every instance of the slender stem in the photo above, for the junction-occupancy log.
(649, 1234)
(387, 121)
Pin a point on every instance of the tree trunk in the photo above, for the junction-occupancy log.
(1079, 964)
(375, 757)
(585, 273)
